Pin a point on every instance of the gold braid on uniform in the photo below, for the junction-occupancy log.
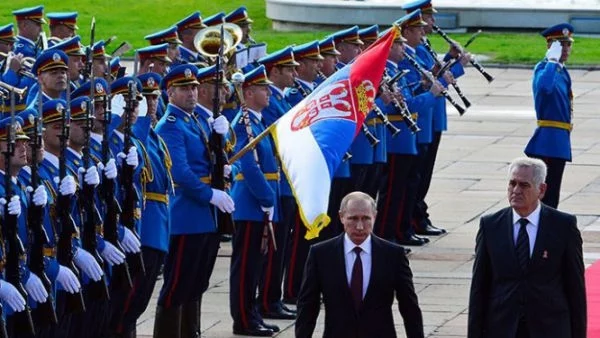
(147, 175)
(168, 162)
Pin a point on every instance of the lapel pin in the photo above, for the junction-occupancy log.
(545, 254)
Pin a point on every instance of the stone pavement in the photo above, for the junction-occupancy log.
(469, 180)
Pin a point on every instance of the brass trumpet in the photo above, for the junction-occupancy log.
(8, 88)
(208, 40)
(26, 63)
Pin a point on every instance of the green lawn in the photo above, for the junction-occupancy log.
(131, 20)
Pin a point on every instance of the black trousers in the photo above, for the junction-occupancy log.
(420, 211)
(556, 168)
(245, 272)
(392, 197)
(188, 267)
(94, 321)
(269, 292)
(412, 188)
(136, 301)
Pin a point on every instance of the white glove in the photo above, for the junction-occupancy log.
(68, 280)
(226, 170)
(131, 158)
(90, 177)
(110, 170)
(269, 210)
(10, 295)
(112, 255)
(130, 242)
(220, 125)
(117, 105)
(86, 262)
(36, 289)
(222, 200)
(143, 107)
(40, 196)
(554, 52)
(14, 206)
(67, 186)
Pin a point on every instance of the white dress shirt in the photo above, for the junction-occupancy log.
(532, 227)
(365, 257)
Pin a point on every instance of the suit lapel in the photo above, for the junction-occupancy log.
(542, 232)
(376, 267)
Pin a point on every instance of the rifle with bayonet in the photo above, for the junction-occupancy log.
(15, 253)
(44, 313)
(92, 220)
(130, 198)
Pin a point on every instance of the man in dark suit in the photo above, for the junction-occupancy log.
(528, 274)
(357, 273)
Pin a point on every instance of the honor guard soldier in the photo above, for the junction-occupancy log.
(29, 24)
(154, 59)
(363, 147)
(68, 283)
(308, 57)
(169, 36)
(94, 321)
(75, 65)
(187, 28)
(348, 44)
(99, 58)
(330, 59)
(62, 26)
(51, 68)
(397, 199)
(421, 221)
(256, 193)
(31, 282)
(158, 191)
(280, 67)
(215, 19)
(10, 66)
(553, 98)
(193, 244)
(239, 16)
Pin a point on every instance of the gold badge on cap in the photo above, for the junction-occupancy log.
(187, 73)
(150, 83)
(55, 57)
(60, 107)
(99, 88)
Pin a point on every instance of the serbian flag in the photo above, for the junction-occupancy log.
(313, 137)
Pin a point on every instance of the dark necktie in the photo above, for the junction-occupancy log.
(523, 244)
(356, 281)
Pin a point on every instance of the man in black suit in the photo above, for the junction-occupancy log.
(528, 274)
(357, 273)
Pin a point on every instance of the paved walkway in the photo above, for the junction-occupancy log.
(469, 180)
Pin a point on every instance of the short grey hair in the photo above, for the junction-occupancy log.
(539, 168)
(357, 195)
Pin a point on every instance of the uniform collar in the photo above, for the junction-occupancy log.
(22, 38)
(97, 137)
(120, 135)
(306, 83)
(76, 154)
(206, 111)
(53, 159)
(257, 115)
(276, 90)
(409, 48)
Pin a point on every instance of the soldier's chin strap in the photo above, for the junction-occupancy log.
(313, 230)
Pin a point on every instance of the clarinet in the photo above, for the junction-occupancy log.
(399, 105)
(442, 69)
(431, 79)
(474, 62)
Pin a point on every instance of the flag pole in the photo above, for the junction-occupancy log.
(251, 144)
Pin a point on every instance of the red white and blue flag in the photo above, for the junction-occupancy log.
(313, 137)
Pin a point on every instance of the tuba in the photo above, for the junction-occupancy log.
(208, 41)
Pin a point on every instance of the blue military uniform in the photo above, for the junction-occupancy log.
(8, 75)
(255, 186)
(193, 244)
(49, 59)
(192, 21)
(24, 45)
(553, 99)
